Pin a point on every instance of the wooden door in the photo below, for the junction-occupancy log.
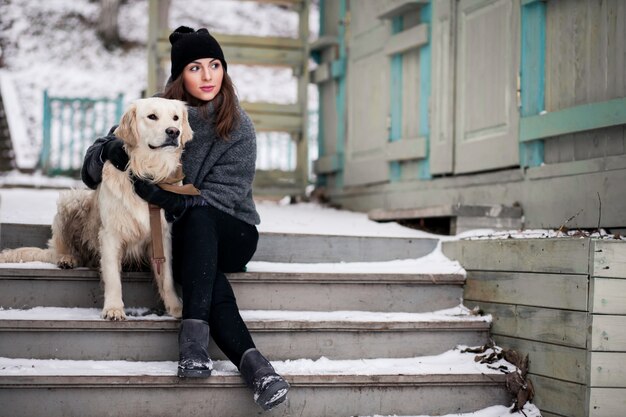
(368, 96)
(487, 63)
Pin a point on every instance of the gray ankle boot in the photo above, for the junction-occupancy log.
(270, 389)
(193, 345)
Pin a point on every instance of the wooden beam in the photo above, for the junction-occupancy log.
(607, 296)
(609, 259)
(407, 39)
(406, 149)
(323, 42)
(446, 210)
(327, 164)
(567, 292)
(399, 7)
(608, 369)
(271, 108)
(574, 119)
(563, 255)
(608, 333)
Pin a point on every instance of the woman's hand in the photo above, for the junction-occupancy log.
(174, 204)
(113, 151)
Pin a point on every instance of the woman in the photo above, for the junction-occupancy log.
(214, 232)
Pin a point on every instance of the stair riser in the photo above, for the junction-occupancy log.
(275, 247)
(24, 293)
(276, 345)
(304, 401)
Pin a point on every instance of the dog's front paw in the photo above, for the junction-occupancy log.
(113, 314)
(66, 262)
(175, 309)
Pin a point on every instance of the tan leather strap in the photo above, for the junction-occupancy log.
(187, 189)
(158, 254)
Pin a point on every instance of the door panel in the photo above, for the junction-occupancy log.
(442, 97)
(487, 118)
(368, 98)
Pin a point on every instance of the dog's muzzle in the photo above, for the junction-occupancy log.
(172, 138)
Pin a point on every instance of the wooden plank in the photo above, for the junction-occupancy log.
(607, 296)
(264, 122)
(551, 361)
(609, 259)
(323, 42)
(563, 255)
(277, 42)
(608, 333)
(446, 210)
(252, 54)
(395, 8)
(408, 39)
(607, 369)
(406, 149)
(539, 290)
(365, 171)
(559, 397)
(321, 74)
(573, 119)
(327, 164)
(607, 402)
(561, 327)
(588, 166)
(271, 108)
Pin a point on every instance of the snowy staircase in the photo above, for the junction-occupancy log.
(352, 338)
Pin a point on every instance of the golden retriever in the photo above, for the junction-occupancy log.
(110, 226)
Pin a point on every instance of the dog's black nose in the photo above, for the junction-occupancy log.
(172, 132)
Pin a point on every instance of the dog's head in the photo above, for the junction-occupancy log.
(154, 131)
(155, 123)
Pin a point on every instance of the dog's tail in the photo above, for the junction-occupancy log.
(20, 255)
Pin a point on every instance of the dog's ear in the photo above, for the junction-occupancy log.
(187, 133)
(127, 130)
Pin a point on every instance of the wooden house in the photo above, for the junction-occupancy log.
(498, 113)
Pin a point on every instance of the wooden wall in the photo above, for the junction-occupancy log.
(562, 302)
(577, 175)
(585, 63)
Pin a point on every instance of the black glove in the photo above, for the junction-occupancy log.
(173, 204)
(113, 151)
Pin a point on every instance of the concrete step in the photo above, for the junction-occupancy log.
(275, 247)
(36, 284)
(321, 388)
(81, 334)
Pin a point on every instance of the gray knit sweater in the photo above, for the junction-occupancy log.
(223, 170)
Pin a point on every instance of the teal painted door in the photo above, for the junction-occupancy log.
(487, 66)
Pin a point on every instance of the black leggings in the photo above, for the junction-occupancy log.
(207, 242)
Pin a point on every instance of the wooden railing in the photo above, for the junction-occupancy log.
(70, 125)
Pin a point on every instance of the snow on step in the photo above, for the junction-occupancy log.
(448, 363)
(434, 263)
(529, 410)
(134, 314)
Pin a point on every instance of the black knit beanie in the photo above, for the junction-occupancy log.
(189, 45)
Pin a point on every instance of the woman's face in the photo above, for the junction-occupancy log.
(202, 78)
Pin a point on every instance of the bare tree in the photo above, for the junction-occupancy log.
(108, 28)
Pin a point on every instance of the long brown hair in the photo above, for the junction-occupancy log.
(226, 111)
